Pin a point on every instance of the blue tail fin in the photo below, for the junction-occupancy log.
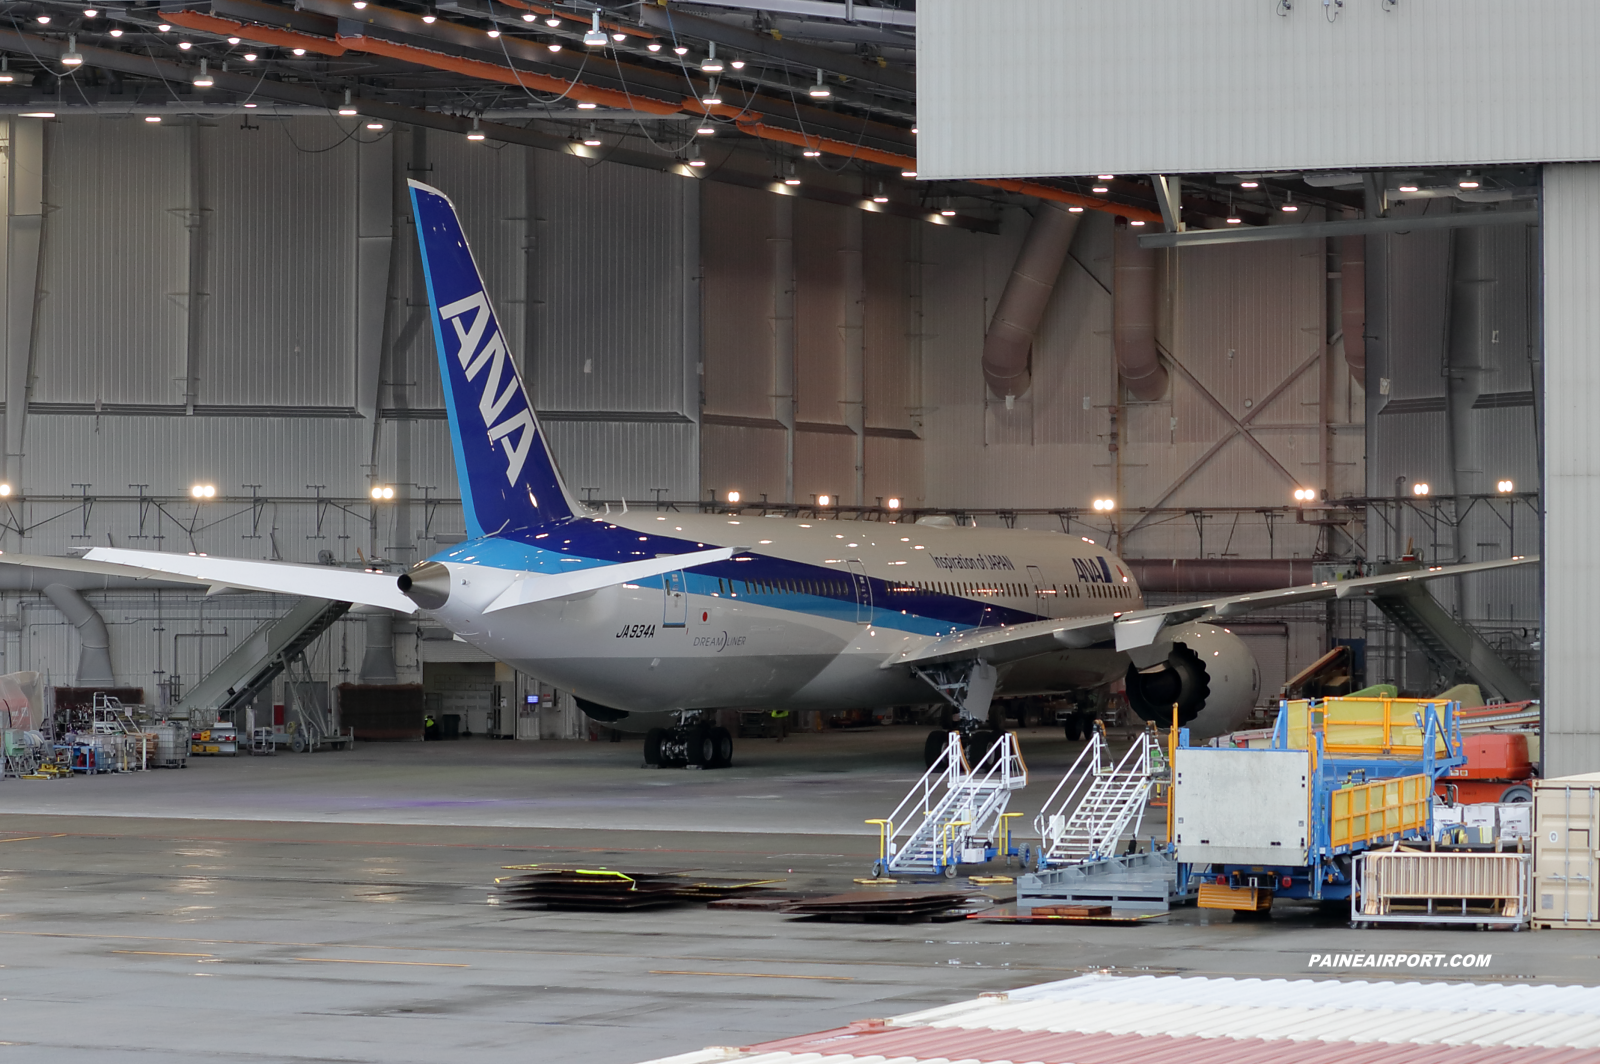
(508, 479)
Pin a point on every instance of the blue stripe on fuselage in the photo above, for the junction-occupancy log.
(582, 543)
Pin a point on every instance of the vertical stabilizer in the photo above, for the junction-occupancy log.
(509, 480)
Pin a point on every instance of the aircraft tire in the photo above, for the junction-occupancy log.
(1073, 726)
(978, 745)
(652, 746)
(722, 740)
(702, 749)
(933, 747)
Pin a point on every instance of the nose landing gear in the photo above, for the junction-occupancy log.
(690, 743)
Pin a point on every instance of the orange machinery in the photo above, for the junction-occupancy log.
(1497, 770)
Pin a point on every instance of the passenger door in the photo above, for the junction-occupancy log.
(1044, 593)
(675, 610)
(863, 591)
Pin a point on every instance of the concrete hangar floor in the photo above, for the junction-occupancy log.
(335, 907)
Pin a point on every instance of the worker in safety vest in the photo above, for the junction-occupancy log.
(779, 723)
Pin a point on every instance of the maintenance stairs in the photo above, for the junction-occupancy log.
(1454, 649)
(1100, 801)
(955, 814)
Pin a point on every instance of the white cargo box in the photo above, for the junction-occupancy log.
(1479, 815)
(1246, 807)
(1515, 820)
(1446, 816)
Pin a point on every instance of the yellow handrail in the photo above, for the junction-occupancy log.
(885, 830)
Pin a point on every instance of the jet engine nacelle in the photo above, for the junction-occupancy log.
(1211, 675)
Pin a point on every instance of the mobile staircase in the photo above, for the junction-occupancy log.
(1084, 820)
(1100, 801)
(955, 814)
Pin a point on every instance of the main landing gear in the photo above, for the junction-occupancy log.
(691, 742)
(969, 689)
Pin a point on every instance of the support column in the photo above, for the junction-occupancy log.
(374, 265)
(24, 238)
(194, 221)
(783, 331)
(694, 392)
(853, 279)
(1571, 231)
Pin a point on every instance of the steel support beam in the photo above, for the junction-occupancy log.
(1321, 230)
(24, 247)
(783, 334)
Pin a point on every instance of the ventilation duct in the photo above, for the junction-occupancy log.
(1353, 304)
(1010, 339)
(1133, 318)
(94, 656)
(377, 663)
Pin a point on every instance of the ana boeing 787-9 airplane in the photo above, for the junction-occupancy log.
(655, 620)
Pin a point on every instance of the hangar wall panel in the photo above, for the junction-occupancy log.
(112, 324)
(1169, 86)
(1572, 464)
(622, 460)
(819, 244)
(748, 458)
(736, 250)
(279, 203)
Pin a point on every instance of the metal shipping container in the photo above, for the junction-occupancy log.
(1566, 831)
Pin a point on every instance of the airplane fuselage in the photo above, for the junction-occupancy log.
(801, 618)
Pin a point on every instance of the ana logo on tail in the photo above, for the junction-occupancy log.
(474, 354)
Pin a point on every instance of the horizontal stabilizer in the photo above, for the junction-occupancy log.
(537, 587)
(284, 578)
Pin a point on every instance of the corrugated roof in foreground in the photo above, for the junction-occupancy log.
(1106, 1019)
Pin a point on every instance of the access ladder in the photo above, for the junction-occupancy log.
(955, 814)
(1101, 800)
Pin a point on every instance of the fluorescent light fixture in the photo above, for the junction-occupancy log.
(819, 91)
(348, 109)
(252, 105)
(374, 126)
(1249, 184)
(1100, 188)
(587, 105)
(72, 57)
(596, 37)
(1074, 210)
(37, 114)
(1104, 177)
(1136, 221)
(812, 153)
(204, 80)
(908, 173)
(1467, 182)
(1410, 188)
(706, 130)
(154, 120)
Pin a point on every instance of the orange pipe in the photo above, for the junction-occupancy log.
(505, 75)
(1029, 188)
(223, 27)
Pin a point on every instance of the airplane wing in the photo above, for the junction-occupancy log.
(1139, 628)
(285, 578)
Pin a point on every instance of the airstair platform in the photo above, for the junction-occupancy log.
(1097, 801)
(1138, 882)
(955, 814)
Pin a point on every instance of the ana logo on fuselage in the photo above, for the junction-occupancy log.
(1089, 572)
(478, 350)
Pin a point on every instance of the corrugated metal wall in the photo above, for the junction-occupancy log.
(1572, 469)
(1170, 86)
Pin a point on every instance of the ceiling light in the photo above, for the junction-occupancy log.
(430, 16)
(360, 5)
(712, 98)
(116, 32)
(908, 173)
(1467, 182)
(1289, 205)
(154, 120)
(587, 105)
(1136, 221)
(894, 504)
(475, 133)
(733, 496)
(1100, 188)
(348, 110)
(824, 500)
(185, 45)
(1506, 487)
(299, 51)
(1074, 210)
(1304, 494)
(792, 180)
(38, 114)
(162, 28)
(529, 16)
(233, 40)
(1104, 177)
(1104, 504)
(819, 91)
(737, 64)
(90, 12)
(706, 129)
(1409, 188)
(554, 46)
(204, 80)
(711, 65)
(553, 21)
(249, 57)
(878, 196)
(6, 77)
(913, 131)
(72, 57)
(383, 493)
(44, 20)
(596, 37)
(653, 46)
(948, 210)
(1233, 218)
(203, 491)
(680, 49)
(812, 153)
(593, 139)
(494, 33)
(252, 105)
(1249, 184)
(374, 126)
(619, 36)
(1419, 488)
(5, 489)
